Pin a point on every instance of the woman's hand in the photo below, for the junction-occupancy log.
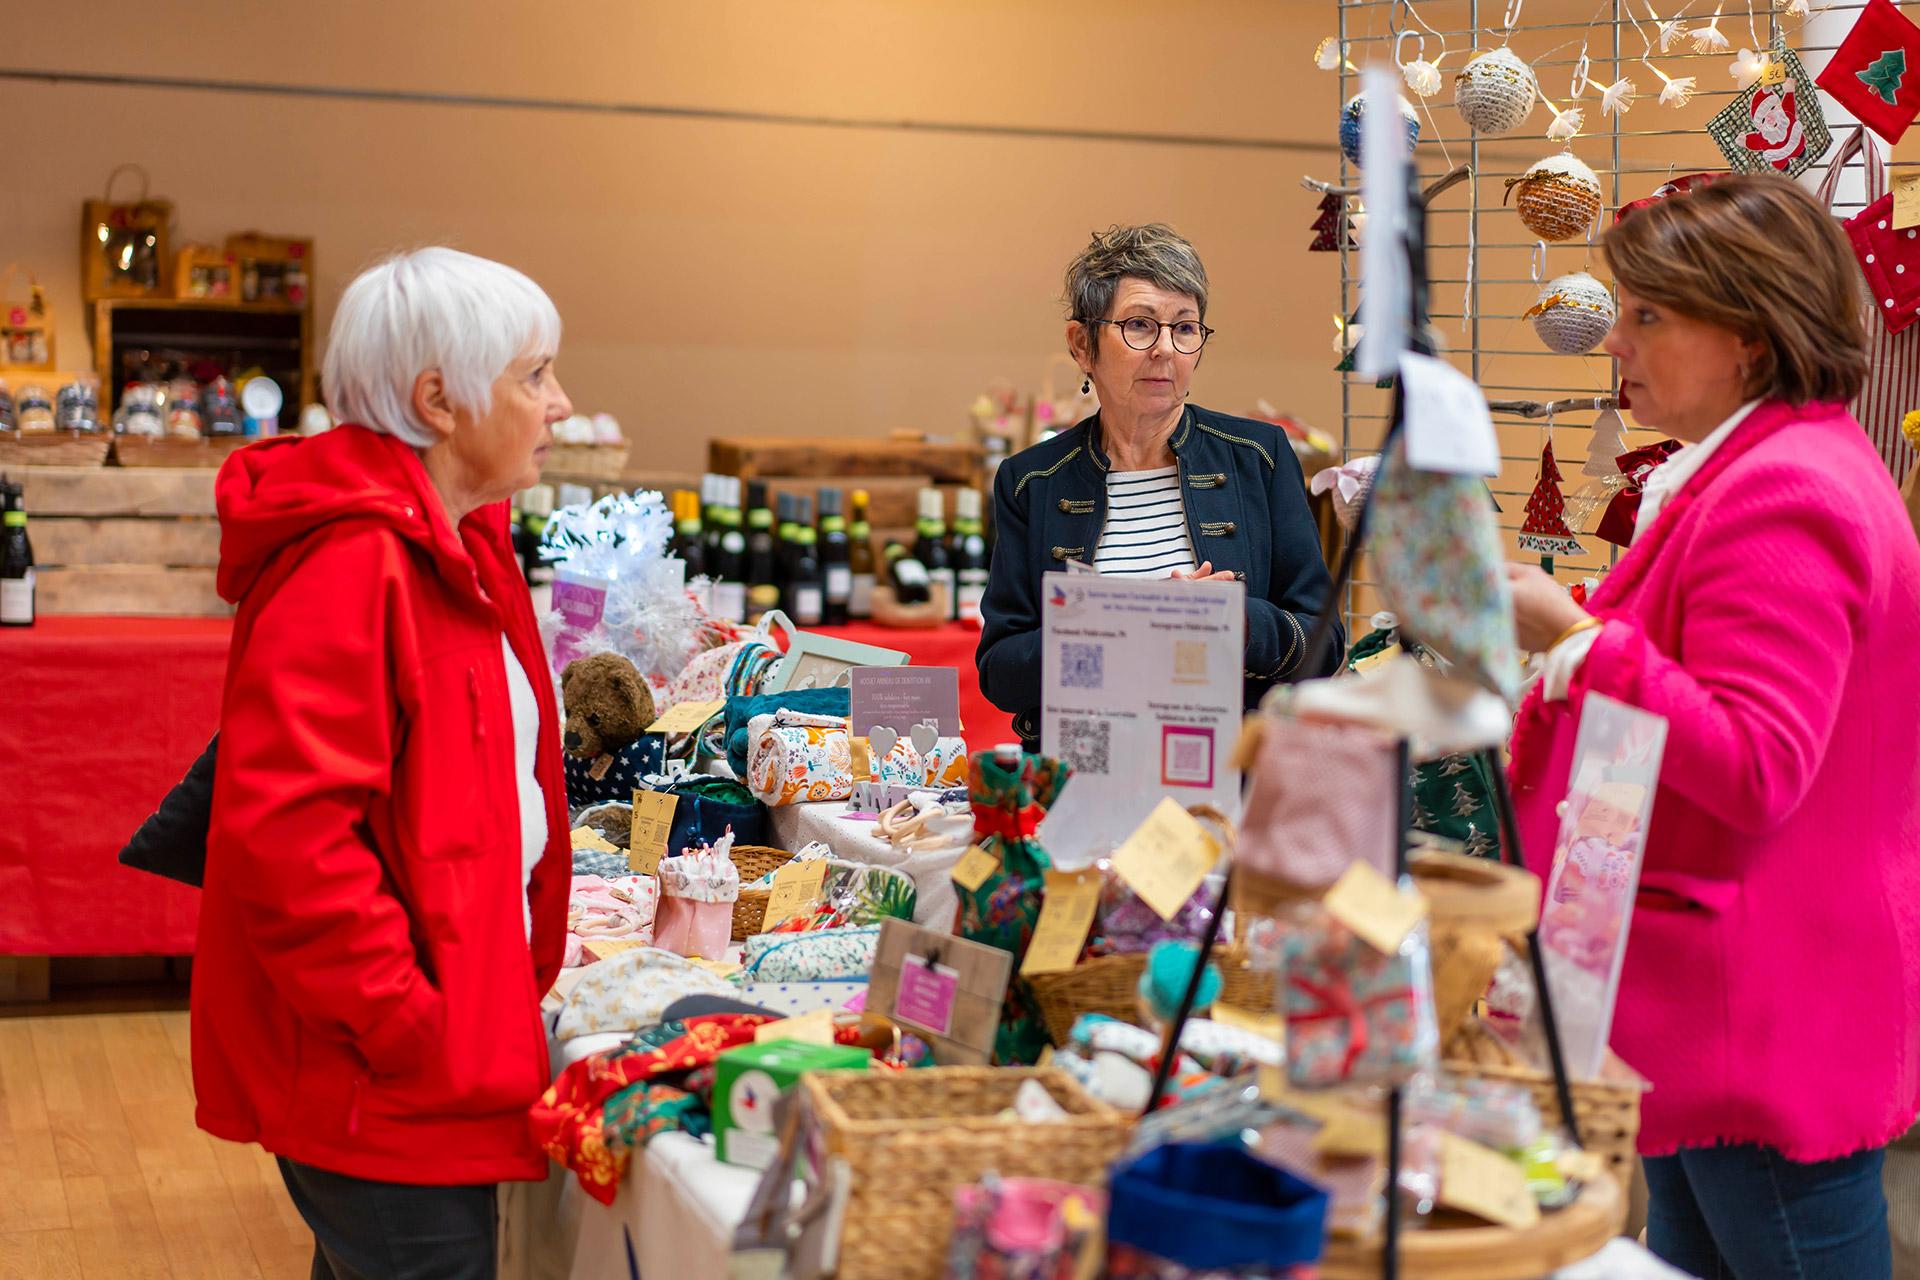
(1542, 609)
(1204, 573)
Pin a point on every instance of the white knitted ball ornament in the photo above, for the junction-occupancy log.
(1557, 198)
(1573, 314)
(1495, 92)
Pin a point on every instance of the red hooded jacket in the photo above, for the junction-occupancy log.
(365, 999)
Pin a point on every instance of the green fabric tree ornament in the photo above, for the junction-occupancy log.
(1885, 75)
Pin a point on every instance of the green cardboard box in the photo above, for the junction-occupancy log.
(749, 1079)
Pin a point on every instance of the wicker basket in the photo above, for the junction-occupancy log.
(750, 908)
(1111, 985)
(911, 1137)
(54, 448)
(1608, 1108)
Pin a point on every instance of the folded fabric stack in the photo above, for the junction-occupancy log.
(617, 907)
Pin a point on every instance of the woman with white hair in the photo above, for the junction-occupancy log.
(387, 863)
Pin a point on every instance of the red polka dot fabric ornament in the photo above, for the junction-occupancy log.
(1558, 198)
(1573, 314)
(1875, 73)
(1890, 260)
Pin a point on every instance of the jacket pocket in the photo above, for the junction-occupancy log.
(446, 785)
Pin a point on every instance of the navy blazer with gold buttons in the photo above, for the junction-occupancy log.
(1246, 510)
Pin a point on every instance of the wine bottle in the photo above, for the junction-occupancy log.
(969, 551)
(835, 552)
(806, 587)
(930, 548)
(911, 584)
(730, 561)
(16, 559)
(860, 560)
(763, 569)
(712, 498)
(690, 544)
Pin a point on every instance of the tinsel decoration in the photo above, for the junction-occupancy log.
(1573, 314)
(1494, 92)
(619, 545)
(1558, 198)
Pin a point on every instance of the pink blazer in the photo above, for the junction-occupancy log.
(1772, 615)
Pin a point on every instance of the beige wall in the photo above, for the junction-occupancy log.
(724, 276)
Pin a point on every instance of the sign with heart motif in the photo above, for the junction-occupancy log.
(902, 697)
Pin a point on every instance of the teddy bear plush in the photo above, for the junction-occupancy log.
(608, 708)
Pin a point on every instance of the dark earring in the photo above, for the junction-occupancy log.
(1086, 383)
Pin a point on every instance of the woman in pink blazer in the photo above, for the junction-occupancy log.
(1770, 610)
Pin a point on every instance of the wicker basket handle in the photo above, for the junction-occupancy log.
(146, 182)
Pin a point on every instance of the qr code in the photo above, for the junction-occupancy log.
(1082, 666)
(1190, 658)
(1086, 744)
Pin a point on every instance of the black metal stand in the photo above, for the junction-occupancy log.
(1170, 1046)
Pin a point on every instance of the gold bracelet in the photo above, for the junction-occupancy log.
(1587, 623)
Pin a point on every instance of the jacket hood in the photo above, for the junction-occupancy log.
(274, 494)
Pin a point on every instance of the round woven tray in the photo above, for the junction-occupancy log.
(750, 908)
(1465, 1249)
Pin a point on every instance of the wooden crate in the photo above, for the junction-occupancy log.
(754, 457)
(174, 451)
(891, 500)
(139, 541)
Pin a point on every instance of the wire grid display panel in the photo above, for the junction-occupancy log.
(1483, 261)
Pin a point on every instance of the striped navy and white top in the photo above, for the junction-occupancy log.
(1145, 535)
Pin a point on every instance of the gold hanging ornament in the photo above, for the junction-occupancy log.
(1557, 198)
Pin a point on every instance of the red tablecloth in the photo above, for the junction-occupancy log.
(101, 716)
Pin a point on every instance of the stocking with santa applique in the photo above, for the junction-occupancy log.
(1773, 127)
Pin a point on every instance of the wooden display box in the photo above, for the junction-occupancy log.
(758, 457)
(174, 451)
(141, 541)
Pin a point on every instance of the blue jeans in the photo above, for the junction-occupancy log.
(1749, 1213)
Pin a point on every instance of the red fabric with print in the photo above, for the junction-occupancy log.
(1875, 73)
(365, 996)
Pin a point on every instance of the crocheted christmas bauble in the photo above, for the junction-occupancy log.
(1495, 91)
(1558, 198)
(1573, 314)
(1351, 115)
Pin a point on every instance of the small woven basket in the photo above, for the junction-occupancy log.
(1111, 985)
(1608, 1108)
(911, 1137)
(750, 908)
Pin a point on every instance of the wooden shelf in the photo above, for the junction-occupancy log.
(200, 304)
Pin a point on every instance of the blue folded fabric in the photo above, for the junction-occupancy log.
(742, 708)
(1212, 1206)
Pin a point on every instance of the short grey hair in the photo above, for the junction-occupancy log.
(436, 308)
(1154, 252)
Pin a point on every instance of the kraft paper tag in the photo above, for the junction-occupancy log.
(1380, 912)
(808, 1028)
(1167, 858)
(588, 838)
(1373, 660)
(796, 888)
(1065, 916)
(1481, 1181)
(1772, 72)
(1352, 1134)
(1906, 201)
(652, 825)
(607, 948)
(685, 717)
(1251, 1021)
(974, 867)
(601, 763)
(724, 968)
(1247, 747)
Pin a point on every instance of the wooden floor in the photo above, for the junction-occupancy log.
(102, 1172)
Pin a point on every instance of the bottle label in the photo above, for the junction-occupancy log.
(16, 601)
(973, 589)
(730, 601)
(807, 603)
(945, 576)
(860, 600)
(839, 583)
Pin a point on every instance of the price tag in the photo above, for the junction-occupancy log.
(1773, 71)
(1065, 917)
(588, 838)
(796, 888)
(652, 826)
(1381, 912)
(1250, 1021)
(1448, 427)
(1373, 660)
(685, 717)
(1352, 1134)
(723, 968)
(607, 948)
(1906, 200)
(974, 868)
(1167, 858)
(1481, 1181)
(809, 1028)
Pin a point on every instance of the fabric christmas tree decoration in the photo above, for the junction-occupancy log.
(1545, 532)
(1875, 73)
(1773, 127)
(1328, 226)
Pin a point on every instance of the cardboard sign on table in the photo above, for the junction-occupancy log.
(944, 989)
(1141, 693)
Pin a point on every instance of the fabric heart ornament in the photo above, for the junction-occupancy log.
(1775, 127)
(1875, 73)
(880, 740)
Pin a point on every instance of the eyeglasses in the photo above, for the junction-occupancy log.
(1141, 333)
